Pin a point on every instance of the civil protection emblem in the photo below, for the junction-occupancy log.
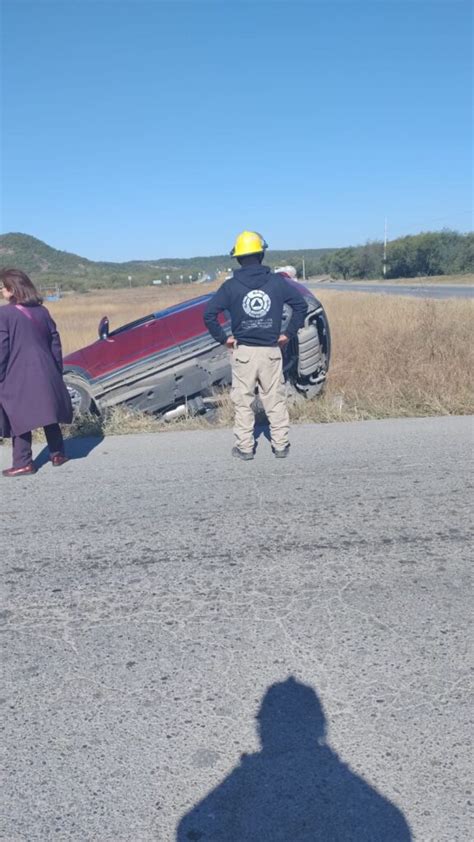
(256, 303)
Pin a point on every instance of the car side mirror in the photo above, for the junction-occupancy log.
(103, 328)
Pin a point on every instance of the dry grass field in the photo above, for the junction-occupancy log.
(397, 357)
(391, 356)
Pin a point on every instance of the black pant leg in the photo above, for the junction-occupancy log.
(55, 440)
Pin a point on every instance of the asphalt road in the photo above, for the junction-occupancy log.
(160, 595)
(416, 291)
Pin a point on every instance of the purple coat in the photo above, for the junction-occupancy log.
(32, 390)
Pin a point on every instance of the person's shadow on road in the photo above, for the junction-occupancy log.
(296, 789)
(262, 428)
(77, 448)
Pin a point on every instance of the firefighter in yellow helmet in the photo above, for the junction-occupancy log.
(248, 243)
(255, 296)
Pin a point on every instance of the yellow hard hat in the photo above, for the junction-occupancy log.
(248, 242)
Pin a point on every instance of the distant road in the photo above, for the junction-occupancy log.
(155, 589)
(428, 291)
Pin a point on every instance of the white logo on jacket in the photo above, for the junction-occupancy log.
(256, 303)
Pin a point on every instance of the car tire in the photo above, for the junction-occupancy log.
(81, 398)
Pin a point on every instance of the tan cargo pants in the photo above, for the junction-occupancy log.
(263, 367)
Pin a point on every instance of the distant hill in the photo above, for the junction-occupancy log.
(429, 253)
(47, 265)
(37, 258)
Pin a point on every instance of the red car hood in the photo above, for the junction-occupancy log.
(77, 358)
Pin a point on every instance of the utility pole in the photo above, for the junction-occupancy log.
(385, 251)
(304, 271)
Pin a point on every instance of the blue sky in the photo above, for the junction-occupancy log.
(152, 129)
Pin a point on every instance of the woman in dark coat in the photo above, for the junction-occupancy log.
(32, 390)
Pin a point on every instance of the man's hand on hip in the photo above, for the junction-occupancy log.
(230, 343)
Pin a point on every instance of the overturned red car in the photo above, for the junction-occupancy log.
(167, 362)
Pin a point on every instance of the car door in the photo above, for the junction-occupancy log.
(131, 346)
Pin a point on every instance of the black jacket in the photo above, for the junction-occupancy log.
(254, 297)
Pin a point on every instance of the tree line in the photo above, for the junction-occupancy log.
(430, 253)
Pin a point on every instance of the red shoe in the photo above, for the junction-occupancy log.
(27, 471)
(58, 459)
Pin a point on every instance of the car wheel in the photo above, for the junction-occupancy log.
(81, 398)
